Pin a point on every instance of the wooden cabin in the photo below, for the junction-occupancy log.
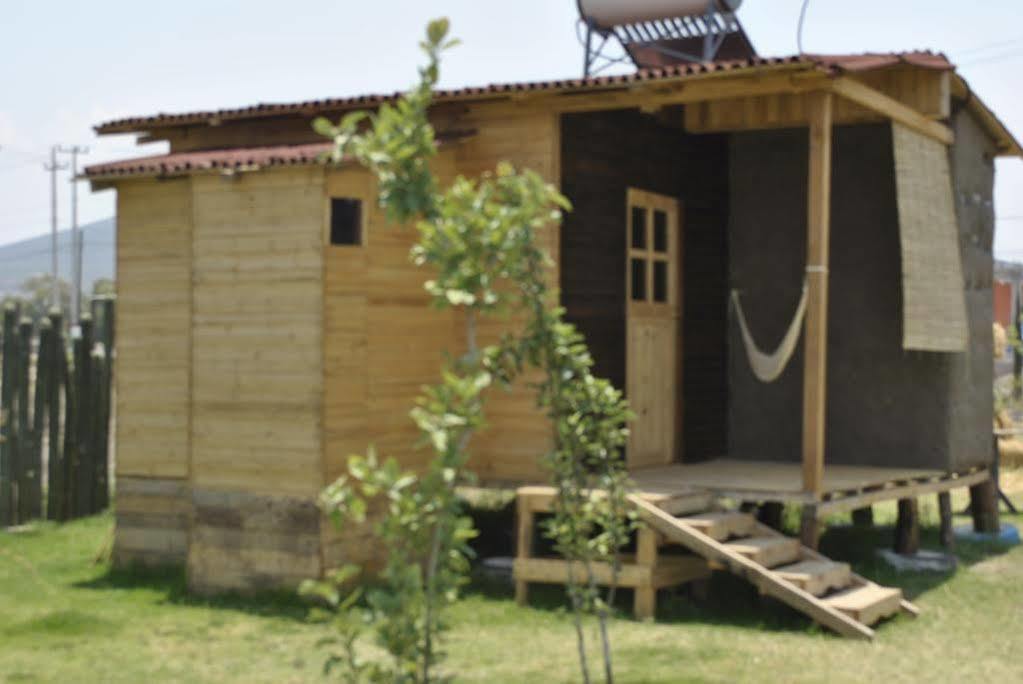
(271, 323)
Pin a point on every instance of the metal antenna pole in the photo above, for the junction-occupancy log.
(76, 235)
(53, 167)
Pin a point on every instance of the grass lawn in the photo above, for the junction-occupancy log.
(65, 618)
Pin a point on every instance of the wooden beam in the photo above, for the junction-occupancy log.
(891, 108)
(659, 94)
(853, 502)
(817, 256)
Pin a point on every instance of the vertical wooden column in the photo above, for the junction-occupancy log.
(948, 539)
(817, 254)
(645, 601)
(907, 528)
(524, 543)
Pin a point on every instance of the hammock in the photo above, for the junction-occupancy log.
(768, 367)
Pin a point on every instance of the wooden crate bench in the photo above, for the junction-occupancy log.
(645, 572)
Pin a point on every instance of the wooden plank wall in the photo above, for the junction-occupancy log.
(518, 434)
(604, 154)
(154, 248)
(152, 375)
(926, 91)
(257, 377)
(383, 343)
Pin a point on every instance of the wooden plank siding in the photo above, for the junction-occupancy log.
(257, 379)
(257, 329)
(154, 248)
(923, 91)
(518, 434)
(154, 274)
(383, 342)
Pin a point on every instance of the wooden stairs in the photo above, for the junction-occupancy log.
(781, 567)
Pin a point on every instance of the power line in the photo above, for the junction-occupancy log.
(990, 46)
(994, 59)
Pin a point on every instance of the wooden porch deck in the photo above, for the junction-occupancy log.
(845, 487)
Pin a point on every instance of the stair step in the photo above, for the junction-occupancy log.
(768, 551)
(867, 603)
(816, 577)
(721, 526)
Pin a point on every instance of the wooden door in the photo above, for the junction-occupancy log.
(653, 344)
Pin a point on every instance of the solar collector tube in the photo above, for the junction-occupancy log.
(608, 13)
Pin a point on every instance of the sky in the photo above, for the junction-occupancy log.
(66, 66)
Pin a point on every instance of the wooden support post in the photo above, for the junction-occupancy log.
(947, 534)
(524, 544)
(907, 528)
(815, 343)
(30, 479)
(984, 506)
(41, 401)
(8, 420)
(56, 508)
(863, 517)
(644, 605)
(810, 527)
(770, 514)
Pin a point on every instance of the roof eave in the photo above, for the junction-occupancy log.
(647, 80)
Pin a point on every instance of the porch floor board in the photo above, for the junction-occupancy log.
(775, 481)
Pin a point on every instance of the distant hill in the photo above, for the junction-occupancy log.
(20, 260)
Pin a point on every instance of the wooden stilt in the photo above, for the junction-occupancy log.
(645, 601)
(945, 511)
(863, 517)
(770, 514)
(524, 545)
(907, 528)
(984, 506)
(810, 527)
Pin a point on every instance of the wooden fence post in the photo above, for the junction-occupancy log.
(29, 475)
(69, 452)
(85, 469)
(104, 316)
(8, 419)
(98, 445)
(40, 400)
(56, 495)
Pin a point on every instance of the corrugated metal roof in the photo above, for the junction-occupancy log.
(179, 163)
(827, 63)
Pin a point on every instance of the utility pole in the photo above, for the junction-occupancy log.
(53, 167)
(76, 235)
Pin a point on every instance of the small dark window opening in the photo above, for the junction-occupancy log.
(639, 280)
(660, 231)
(345, 221)
(661, 282)
(638, 228)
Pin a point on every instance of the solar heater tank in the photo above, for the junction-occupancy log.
(608, 13)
